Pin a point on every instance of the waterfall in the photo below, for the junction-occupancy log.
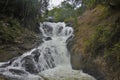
(49, 58)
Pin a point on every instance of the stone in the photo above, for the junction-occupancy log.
(48, 38)
(36, 55)
(29, 65)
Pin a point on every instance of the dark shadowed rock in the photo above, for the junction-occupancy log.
(29, 64)
(8, 63)
(75, 61)
(36, 55)
(48, 38)
(4, 65)
(18, 72)
(69, 23)
(90, 67)
(79, 62)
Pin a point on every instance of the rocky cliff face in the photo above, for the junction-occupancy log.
(96, 46)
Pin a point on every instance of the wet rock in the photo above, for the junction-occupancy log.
(82, 62)
(18, 72)
(29, 65)
(48, 38)
(75, 61)
(87, 65)
(36, 55)
(49, 59)
(4, 65)
(93, 69)
(47, 29)
(12, 60)
(69, 23)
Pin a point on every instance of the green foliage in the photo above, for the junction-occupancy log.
(61, 13)
(92, 3)
(9, 31)
(89, 3)
(104, 38)
(80, 10)
(65, 13)
(17, 8)
(28, 12)
(68, 11)
(106, 42)
(96, 43)
(112, 56)
(74, 3)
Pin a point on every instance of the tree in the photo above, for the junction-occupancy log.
(74, 3)
(66, 10)
(93, 3)
(28, 12)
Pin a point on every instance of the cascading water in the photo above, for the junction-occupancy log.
(49, 60)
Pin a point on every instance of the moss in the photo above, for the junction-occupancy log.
(97, 39)
(104, 38)
(105, 42)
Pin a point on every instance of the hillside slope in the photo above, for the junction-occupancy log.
(15, 39)
(96, 45)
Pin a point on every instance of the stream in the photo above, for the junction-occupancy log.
(49, 61)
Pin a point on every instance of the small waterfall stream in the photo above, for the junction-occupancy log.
(50, 60)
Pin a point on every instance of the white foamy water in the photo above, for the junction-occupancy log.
(50, 60)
